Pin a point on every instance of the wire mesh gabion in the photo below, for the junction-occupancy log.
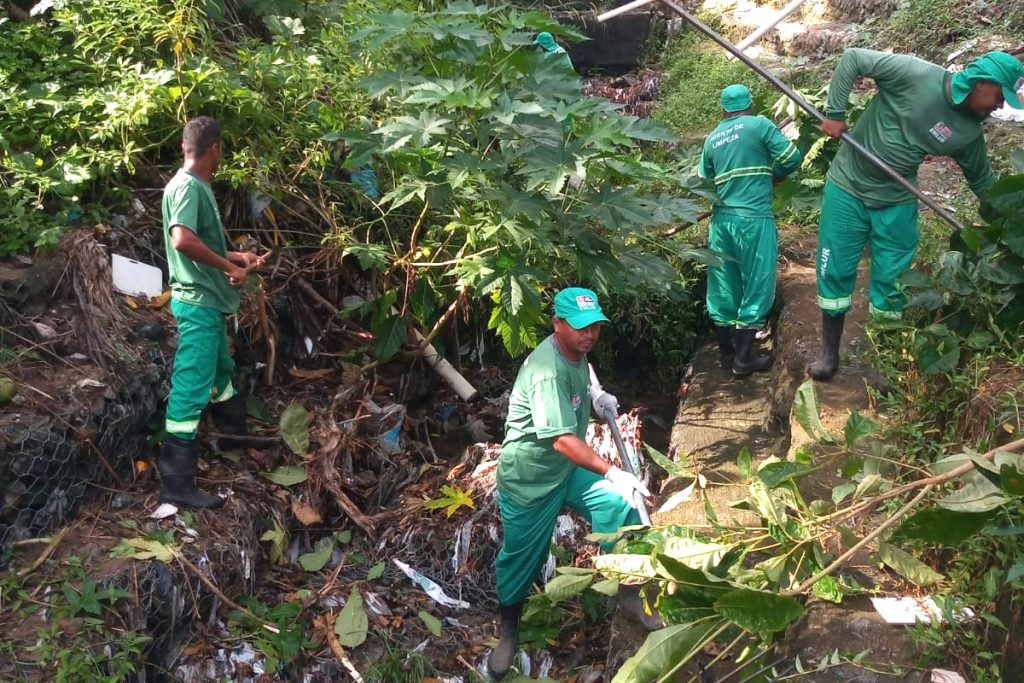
(48, 461)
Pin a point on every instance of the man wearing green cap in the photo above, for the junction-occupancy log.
(920, 110)
(546, 465)
(553, 50)
(744, 156)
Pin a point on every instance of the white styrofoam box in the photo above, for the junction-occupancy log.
(136, 278)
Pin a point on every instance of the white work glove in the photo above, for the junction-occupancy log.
(602, 401)
(626, 484)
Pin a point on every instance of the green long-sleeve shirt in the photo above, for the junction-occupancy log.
(742, 156)
(912, 116)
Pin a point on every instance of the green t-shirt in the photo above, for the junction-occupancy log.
(912, 116)
(549, 398)
(189, 202)
(743, 155)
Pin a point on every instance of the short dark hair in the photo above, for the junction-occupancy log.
(201, 133)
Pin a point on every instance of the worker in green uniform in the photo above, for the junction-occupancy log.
(920, 109)
(744, 155)
(546, 41)
(546, 464)
(204, 277)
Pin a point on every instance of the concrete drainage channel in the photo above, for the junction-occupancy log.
(718, 416)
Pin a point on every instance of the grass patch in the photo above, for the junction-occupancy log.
(696, 70)
(923, 27)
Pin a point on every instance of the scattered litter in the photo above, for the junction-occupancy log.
(136, 278)
(82, 383)
(164, 511)
(907, 610)
(243, 654)
(944, 676)
(120, 501)
(45, 332)
(78, 358)
(544, 664)
(376, 605)
(309, 346)
(431, 588)
(462, 540)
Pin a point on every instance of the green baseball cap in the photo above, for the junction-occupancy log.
(578, 307)
(736, 97)
(546, 41)
(997, 67)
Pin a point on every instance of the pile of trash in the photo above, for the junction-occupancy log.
(636, 92)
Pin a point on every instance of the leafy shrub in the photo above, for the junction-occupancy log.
(506, 180)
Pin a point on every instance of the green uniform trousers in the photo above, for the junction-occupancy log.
(846, 226)
(741, 291)
(527, 529)
(202, 367)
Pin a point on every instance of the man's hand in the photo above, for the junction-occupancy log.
(834, 129)
(605, 404)
(246, 259)
(238, 274)
(626, 484)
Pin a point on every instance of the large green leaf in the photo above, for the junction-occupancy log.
(352, 624)
(389, 336)
(759, 611)
(287, 475)
(567, 586)
(805, 407)
(768, 506)
(314, 561)
(777, 473)
(295, 429)
(673, 469)
(624, 566)
(690, 578)
(939, 525)
(977, 494)
(857, 427)
(664, 650)
(908, 566)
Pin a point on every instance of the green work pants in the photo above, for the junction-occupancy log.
(741, 290)
(846, 226)
(527, 529)
(202, 367)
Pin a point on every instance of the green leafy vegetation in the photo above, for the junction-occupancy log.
(696, 70)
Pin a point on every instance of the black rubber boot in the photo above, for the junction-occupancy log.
(230, 417)
(502, 656)
(831, 334)
(726, 350)
(631, 604)
(746, 362)
(179, 463)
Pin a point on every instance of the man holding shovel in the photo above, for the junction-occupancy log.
(546, 465)
(204, 277)
(744, 156)
(920, 110)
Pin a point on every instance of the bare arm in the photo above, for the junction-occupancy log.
(186, 241)
(575, 449)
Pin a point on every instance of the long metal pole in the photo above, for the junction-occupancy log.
(772, 23)
(803, 104)
(611, 419)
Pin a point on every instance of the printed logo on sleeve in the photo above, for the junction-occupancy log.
(576, 401)
(585, 302)
(941, 131)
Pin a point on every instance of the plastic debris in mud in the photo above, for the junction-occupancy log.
(430, 588)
